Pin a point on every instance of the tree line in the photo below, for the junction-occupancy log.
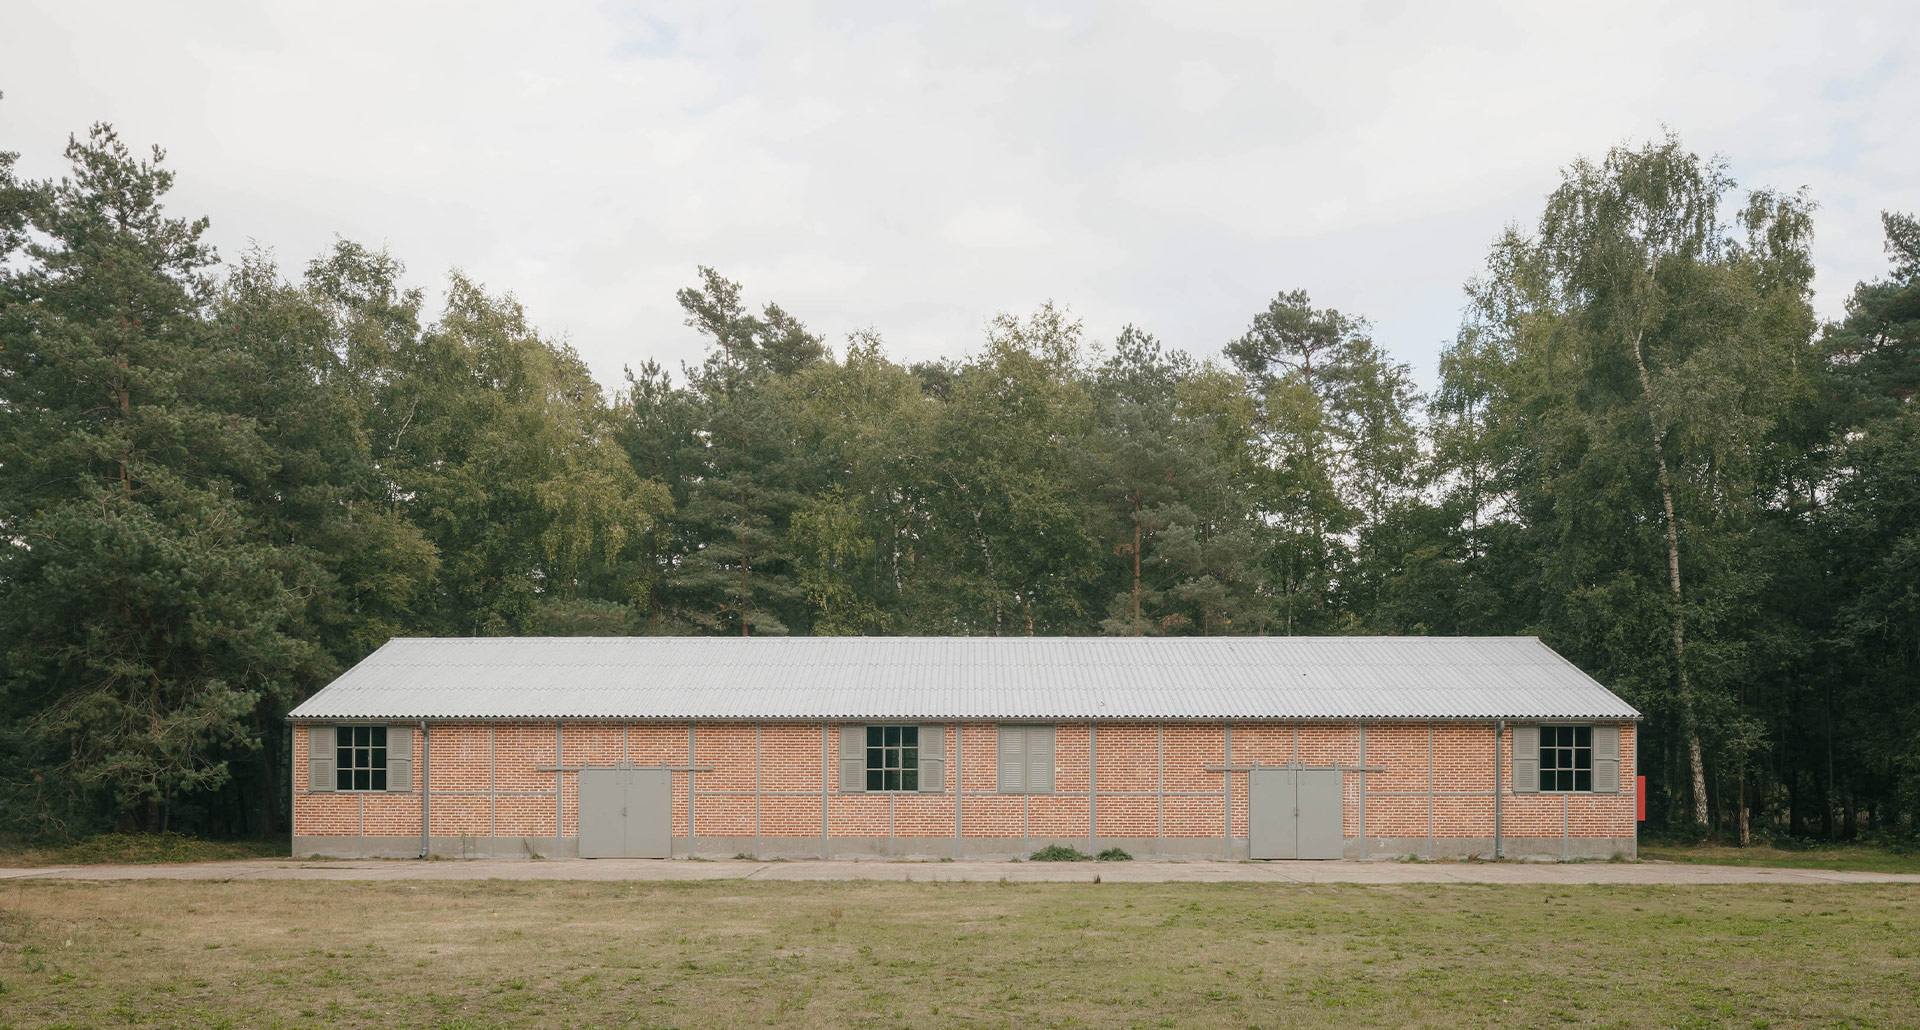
(223, 483)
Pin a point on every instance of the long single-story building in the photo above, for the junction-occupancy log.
(1222, 747)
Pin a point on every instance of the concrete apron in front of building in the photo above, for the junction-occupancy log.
(972, 848)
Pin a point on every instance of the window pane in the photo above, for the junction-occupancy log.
(909, 758)
(343, 736)
(876, 758)
(379, 736)
(873, 736)
(910, 736)
(1566, 758)
(893, 736)
(362, 735)
(379, 779)
(1583, 780)
(1583, 736)
(362, 758)
(909, 780)
(361, 779)
(893, 779)
(1546, 780)
(1583, 758)
(343, 758)
(379, 760)
(873, 779)
(1566, 781)
(343, 780)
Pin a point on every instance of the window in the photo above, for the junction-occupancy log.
(1566, 758)
(1026, 759)
(893, 758)
(360, 758)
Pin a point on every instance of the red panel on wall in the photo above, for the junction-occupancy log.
(1640, 795)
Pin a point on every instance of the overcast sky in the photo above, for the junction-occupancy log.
(917, 168)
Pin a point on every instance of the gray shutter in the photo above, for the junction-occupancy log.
(1606, 759)
(1526, 759)
(853, 759)
(933, 759)
(399, 759)
(321, 741)
(1039, 759)
(1013, 760)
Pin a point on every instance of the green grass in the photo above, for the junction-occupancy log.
(1860, 857)
(140, 849)
(444, 955)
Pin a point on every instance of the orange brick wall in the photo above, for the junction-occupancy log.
(1149, 780)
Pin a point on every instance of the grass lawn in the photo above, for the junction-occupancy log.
(553, 954)
(1863, 857)
(140, 849)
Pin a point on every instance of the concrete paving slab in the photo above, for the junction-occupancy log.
(640, 870)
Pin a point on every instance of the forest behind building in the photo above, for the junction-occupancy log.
(222, 482)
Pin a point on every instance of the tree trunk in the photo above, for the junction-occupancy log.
(1697, 766)
(1136, 563)
(1746, 831)
(269, 782)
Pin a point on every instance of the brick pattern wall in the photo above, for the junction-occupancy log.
(1149, 780)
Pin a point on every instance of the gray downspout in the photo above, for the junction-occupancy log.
(959, 792)
(1093, 788)
(426, 781)
(1228, 778)
(826, 771)
(1362, 774)
(1499, 838)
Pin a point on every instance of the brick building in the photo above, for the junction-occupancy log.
(1229, 747)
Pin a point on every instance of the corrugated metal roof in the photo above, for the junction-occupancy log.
(885, 678)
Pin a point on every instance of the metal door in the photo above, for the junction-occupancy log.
(1294, 813)
(1270, 819)
(649, 813)
(1319, 812)
(626, 813)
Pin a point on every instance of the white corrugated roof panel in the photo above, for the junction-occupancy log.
(907, 678)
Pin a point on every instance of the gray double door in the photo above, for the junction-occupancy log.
(1294, 813)
(626, 812)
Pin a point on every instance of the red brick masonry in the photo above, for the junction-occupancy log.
(1151, 791)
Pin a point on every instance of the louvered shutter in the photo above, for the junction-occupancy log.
(1526, 759)
(1606, 759)
(1039, 759)
(320, 764)
(399, 759)
(933, 759)
(1013, 760)
(853, 759)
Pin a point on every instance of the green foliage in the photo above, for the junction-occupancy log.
(143, 849)
(220, 485)
(1114, 855)
(1059, 853)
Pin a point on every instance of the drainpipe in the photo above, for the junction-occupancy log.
(426, 778)
(1499, 839)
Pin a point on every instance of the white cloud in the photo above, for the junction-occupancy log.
(918, 169)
